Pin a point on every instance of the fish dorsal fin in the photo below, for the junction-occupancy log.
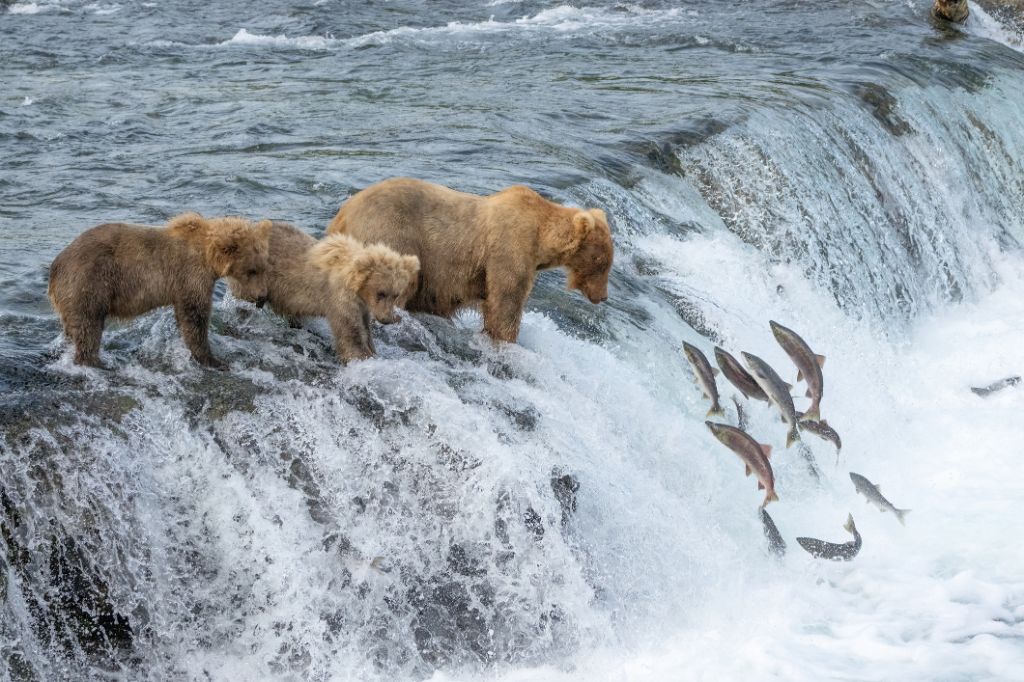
(789, 387)
(820, 359)
(715, 372)
(808, 393)
(824, 422)
(799, 375)
(748, 470)
(878, 487)
(766, 449)
(760, 486)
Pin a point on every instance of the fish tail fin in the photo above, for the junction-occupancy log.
(813, 414)
(770, 497)
(792, 437)
(901, 513)
(716, 411)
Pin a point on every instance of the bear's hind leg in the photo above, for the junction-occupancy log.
(85, 332)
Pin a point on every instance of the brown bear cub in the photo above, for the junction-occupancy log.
(118, 270)
(481, 249)
(340, 279)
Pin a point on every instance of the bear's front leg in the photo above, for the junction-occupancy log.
(507, 292)
(350, 324)
(194, 322)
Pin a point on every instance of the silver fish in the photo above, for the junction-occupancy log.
(753, 454)
(777, 391)
(822, 430)
(873, 494)
(808, 366)
(986, 391)
(737, 376)
(833, 550)
(776, 545)
(705, 374)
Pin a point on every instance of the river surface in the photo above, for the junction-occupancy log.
(555, 509)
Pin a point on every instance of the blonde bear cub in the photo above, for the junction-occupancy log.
(341, 279)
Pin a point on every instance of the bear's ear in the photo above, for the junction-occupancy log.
(263, 228)
(355, 273)
(599, 214)
(582, 224)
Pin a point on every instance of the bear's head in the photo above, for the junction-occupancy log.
(383, 278)
(589, 257)
(234, 248)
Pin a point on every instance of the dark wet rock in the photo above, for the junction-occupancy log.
(379, 412)
(664, 158)
(883, 107)
(67, 598)
(1009, 13)
(533, 522)
(523, 418)
(565, 488)
(216, 394)
(54, 407)
(693, 315)
(986, 391)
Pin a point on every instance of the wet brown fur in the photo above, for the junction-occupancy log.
(340, 279)
(120, 270)
(951, 10)
(481, 249)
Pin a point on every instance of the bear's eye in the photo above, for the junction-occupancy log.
(381, 295)
(253, 272)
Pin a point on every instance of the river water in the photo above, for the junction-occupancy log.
(852, 170)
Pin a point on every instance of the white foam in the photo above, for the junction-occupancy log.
(244, 37)
(983, 24)
(27, 8)
(563, 18)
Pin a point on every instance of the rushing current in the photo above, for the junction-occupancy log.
(554, 509)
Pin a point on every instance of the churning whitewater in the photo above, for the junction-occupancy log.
(554, 509)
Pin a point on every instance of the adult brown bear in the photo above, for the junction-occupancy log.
(481, 249)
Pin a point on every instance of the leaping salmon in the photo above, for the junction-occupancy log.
(705, 375)
(873, 494)
(753, 454)
(777, 391)
(833, 550)
(808, 365)
(737, 376)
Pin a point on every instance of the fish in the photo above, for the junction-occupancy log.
(741, 416)
(986, 391)
(777, 391)
(776, 545)
(873, 493)
(705, 374)
(822, 430)
(833, 550)
(808, 365)
(737, 376)
(753, 454)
